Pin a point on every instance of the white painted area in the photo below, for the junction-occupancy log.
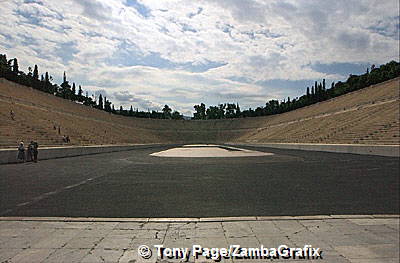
(195, 151)
(200, 145)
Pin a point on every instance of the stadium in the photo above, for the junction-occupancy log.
(117, 170)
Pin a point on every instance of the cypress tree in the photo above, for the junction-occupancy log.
(36, 72)
(107, 105)
(3, 62)
(100, 105)
(66, 88)
(80, 91)
(319, 91)
(15, 66)
(46, 82)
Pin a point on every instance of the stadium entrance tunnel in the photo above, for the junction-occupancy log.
(208, 150)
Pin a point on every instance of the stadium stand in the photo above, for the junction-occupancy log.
(367, 116)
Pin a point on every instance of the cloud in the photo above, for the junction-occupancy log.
(198, 12)
(354, 40)
(272, 60)
(94, 9)
(244, 10)
(388, 27)
(66, 51)
(178, 52)
(141, 8)
(343, 69)
(286, 88)
(128, 99)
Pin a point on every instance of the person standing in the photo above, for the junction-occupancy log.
(35, 151)
(21, 152)
(29, 152)
(12, 115)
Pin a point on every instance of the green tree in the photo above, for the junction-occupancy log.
(221, 110)
(3, 61)
(107, 105)
(200, 113)
(177, 116)
(238, 112)
(48, 87)
(167, 112)
(65, 90)
(80, 92)
(212, 112)
(15, 66)
(73, 89)
(100, 104)
(230, 110)
(35, 72)
(30, 72)
(5, 66)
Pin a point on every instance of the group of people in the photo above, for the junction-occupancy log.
(66, 139)
(31, 152)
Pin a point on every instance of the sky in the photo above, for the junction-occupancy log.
(147, 53)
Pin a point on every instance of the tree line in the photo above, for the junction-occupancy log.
(317, 93)
(9, 69)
